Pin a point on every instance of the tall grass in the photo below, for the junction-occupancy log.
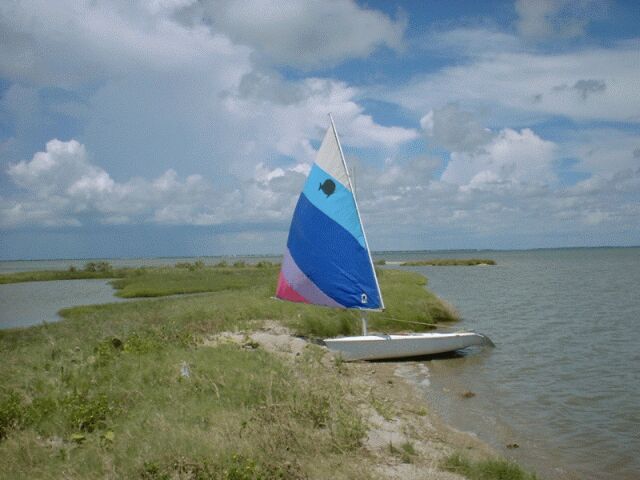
(123, 408)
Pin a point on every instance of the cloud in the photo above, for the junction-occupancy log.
(432, 213)
(61, 187)
(584, 87)
(152, 86)
(305, 34)
(454, 129)
(602, 151)
(289, 114)
(464, 42)
(481, 158)
(59, 168)
(510, 157)
(500, 193)
(552, 19)
(518, 86)
(67, 44)
(588, 87)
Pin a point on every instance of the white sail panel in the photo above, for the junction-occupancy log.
(330, 159)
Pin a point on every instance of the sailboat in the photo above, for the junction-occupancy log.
(328, 262)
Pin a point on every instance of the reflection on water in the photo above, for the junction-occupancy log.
(563, 382)
(31, 303)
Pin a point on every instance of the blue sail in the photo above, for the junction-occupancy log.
(327, 261)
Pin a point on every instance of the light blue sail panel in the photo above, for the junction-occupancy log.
(338, 204)
(332, 258)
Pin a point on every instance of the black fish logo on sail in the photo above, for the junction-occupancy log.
(328, 187)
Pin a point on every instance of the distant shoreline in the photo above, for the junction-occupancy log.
(441, 262)
(376, 253)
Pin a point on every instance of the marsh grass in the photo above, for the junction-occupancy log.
(492, 469)
(47, 275)
(238, 411)
(101, 393)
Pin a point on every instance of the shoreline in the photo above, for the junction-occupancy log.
(451, 400)
(398, 413)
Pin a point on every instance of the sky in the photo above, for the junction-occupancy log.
(187, 127)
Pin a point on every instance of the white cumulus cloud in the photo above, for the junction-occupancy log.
(510, 157)
(60, 186)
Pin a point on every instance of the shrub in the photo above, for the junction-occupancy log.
(101, 267)
(87, 413)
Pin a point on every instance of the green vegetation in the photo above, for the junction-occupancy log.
(90, 270)
(494, 469)
(103, 393)
(197, 265)
(449, 262)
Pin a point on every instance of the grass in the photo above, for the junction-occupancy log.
(492, 469)
(102, 393)
(449, 262)
(47, 275)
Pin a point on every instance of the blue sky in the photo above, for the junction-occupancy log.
(183, 127)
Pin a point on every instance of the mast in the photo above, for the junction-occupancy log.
(373, 269)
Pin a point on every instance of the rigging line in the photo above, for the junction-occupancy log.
(437, 325)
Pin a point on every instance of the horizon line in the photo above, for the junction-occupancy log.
(373, 252)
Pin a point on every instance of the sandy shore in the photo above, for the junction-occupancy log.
(394, 406)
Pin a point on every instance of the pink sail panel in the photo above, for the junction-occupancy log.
(285, 292)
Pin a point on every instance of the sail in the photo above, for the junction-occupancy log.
(327, 259)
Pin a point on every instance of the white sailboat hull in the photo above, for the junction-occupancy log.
(378, 347)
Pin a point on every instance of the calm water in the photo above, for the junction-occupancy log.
(31, 303)
(563, 382)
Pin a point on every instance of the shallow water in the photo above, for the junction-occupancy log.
(563, 383)
(32, 303)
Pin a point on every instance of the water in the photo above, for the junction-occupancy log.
(32, 303)
(563, 382)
